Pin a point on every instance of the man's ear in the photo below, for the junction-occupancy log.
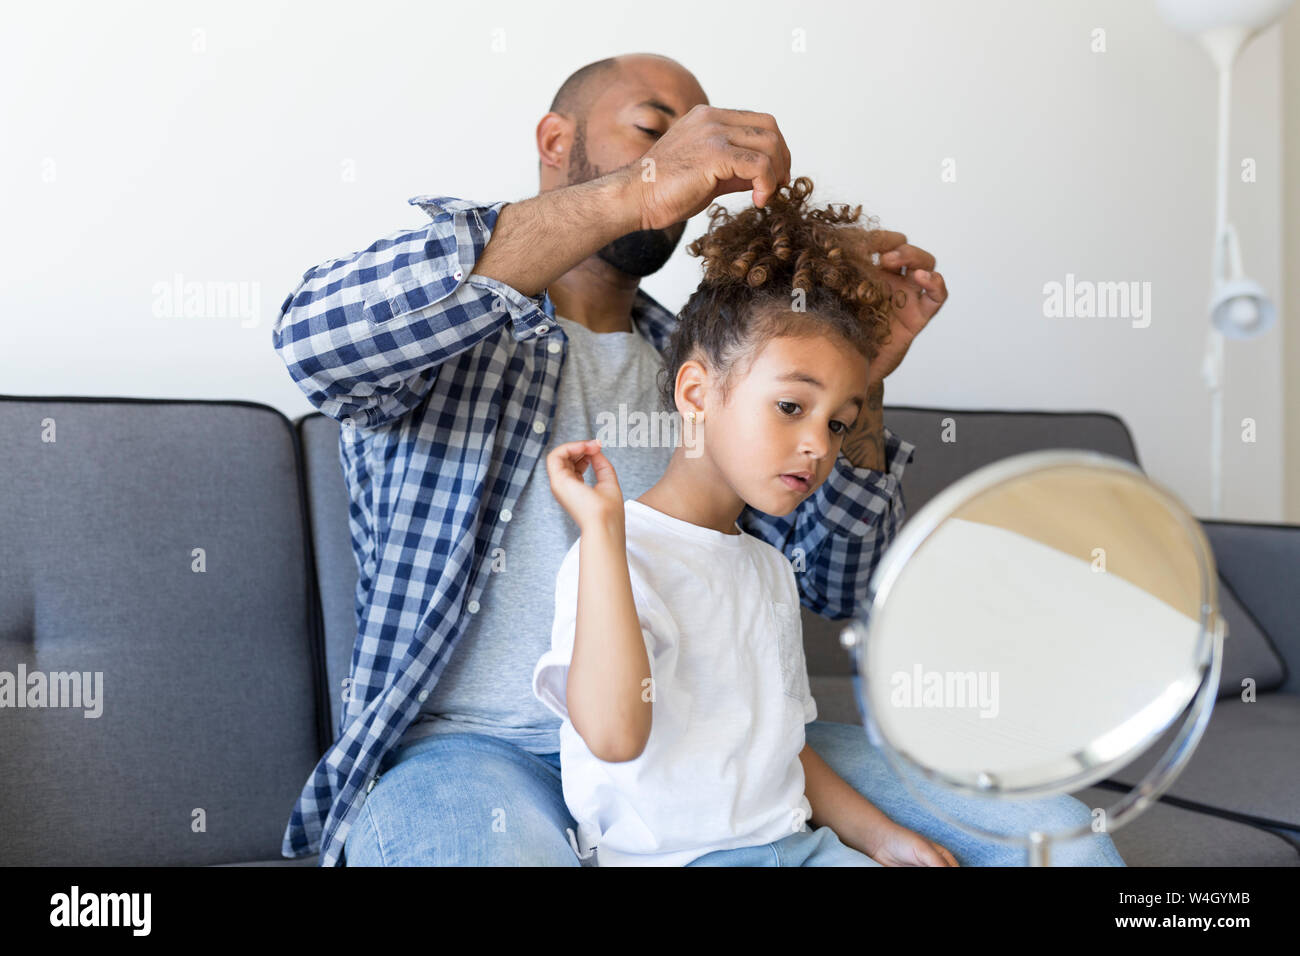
(554, 133)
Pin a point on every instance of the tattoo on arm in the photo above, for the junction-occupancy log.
(864, 445)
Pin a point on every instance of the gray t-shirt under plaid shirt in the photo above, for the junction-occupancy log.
(487, 685)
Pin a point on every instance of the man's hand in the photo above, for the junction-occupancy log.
(895, 845)
(707, 153)
(918, 295)
(864, 445)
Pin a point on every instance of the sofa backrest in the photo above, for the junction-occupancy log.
(951, 443)
(161, 545)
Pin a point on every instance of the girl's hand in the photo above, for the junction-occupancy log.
(589, 507)
(898, 846)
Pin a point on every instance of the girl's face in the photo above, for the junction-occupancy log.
(787, 416)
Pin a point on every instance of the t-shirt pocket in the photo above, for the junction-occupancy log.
(789, 636)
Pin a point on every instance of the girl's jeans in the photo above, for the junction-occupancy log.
(464, 799)
(819, 847)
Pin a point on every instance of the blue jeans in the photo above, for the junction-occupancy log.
(464, 799)
(819, 847)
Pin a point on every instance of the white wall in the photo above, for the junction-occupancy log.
(1291, 260)
(137, 149)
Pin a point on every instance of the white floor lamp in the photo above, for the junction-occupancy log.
(1239, 307)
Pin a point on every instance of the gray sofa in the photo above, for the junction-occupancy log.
(196, 555)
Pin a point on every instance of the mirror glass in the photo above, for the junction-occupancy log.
(1046, 631)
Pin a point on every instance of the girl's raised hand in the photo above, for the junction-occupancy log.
(589, 507)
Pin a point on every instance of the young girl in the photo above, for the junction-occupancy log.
(677, 658)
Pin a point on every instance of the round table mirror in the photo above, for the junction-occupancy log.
(1034, 628)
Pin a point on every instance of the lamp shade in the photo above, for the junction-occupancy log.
(1223, 27)
(1197, 16)
(1240, 309)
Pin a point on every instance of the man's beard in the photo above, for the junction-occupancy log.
(638, 253)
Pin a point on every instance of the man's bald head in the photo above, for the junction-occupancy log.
(575, 95)
(573, 99)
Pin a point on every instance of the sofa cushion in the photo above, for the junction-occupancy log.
(160, 544)
(1167, 835)
(1259, 561)
(835, 698)
(1248, 762)
(1247, 650)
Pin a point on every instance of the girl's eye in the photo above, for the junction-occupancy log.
(840, 430)
(650, 131)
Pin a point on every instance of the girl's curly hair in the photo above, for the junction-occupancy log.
(755, 264)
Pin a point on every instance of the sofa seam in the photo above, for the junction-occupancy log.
(316, 628)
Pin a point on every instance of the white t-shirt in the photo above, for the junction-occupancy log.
(720, 617)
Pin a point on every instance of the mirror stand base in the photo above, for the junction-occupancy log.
(1038, 849)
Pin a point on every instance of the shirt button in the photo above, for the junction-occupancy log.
(505, 514)
(371, 785)
(423, 696)
(457, 274)
(553, 348)
(542, 329)
(473, 607)
(539, 426)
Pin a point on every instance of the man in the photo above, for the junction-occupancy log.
(455, 355)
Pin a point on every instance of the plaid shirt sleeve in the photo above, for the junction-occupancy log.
(363, 336)
(835, 538)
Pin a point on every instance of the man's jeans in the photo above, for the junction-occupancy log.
(465, 799)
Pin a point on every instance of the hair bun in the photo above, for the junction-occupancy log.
(785, 243)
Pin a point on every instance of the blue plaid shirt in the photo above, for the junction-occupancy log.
(445, 386)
